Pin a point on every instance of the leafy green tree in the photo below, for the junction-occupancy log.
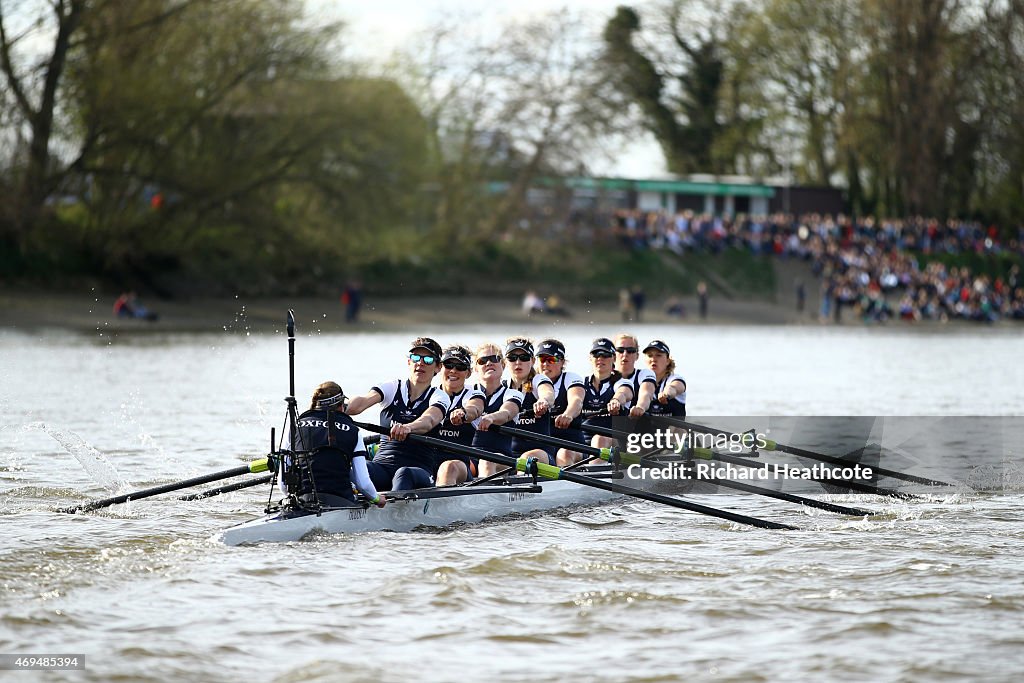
(678, 95)
(32, 84)
(216, 137)
(795, 61)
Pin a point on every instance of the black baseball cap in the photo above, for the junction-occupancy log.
(551, 347)
(520, 344)
(603, 344)
(425, 343)
(658, 345)
(456, 353)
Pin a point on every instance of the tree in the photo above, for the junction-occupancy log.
(507, 110)
(216, 136)
(796, 60)
(998, 172)
(921, 98)
(679, 94)
(34, 91)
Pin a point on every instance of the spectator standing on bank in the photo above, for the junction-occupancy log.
(702, 299)
(625, 305)
(352, 300)
(638, 299)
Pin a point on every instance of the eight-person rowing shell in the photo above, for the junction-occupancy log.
(445, 432)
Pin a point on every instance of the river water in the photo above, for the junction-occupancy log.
(927, 589)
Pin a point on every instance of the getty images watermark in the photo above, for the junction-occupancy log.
(701, 446)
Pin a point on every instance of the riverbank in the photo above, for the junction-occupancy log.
(90, 313)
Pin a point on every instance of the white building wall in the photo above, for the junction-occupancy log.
(649, 201)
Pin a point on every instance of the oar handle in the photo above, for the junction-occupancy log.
(605, 453)
(237, 486)
(253, 467)
(520, 464)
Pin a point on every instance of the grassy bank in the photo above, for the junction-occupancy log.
(993, 265)
(575, 271)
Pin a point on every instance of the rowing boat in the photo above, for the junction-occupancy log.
(579, 484)
(408, 510)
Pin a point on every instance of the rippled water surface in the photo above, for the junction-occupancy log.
(927, 589)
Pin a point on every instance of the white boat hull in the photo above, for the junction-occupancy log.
(406, 515)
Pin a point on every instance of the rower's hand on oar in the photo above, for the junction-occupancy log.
(457, 417)
(614, 407)
(381, 501)
(399, 432)
(664, 398)
(636, 412)
(485, 422)
(563, 421)
(541, 407)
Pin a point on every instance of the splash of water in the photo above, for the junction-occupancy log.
(94, 462)
(1004, 477)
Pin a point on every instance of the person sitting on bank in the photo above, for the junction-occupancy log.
(411, 406)
(335, 450)
(553, 305)
(532, 303)
(127, 306)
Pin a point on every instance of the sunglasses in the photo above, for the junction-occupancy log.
(602, 354)
(627, 349)
(416, 358)
(455, 365)
(549, 359)
(484, 360)
(524, 357)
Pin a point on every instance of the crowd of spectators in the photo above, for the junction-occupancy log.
(879, 268)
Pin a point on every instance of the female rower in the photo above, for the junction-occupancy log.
(467, 404)
(409, 407)
(636, 388)
(501, 406)
(600, 391)
(568, 403)
(671, 388)
(538, 395)
(335, 451)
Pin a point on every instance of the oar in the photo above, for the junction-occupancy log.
(252, 468)
(226, 488)
(801, 453)
(628, 459)
(708, 454)
(555, 473)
